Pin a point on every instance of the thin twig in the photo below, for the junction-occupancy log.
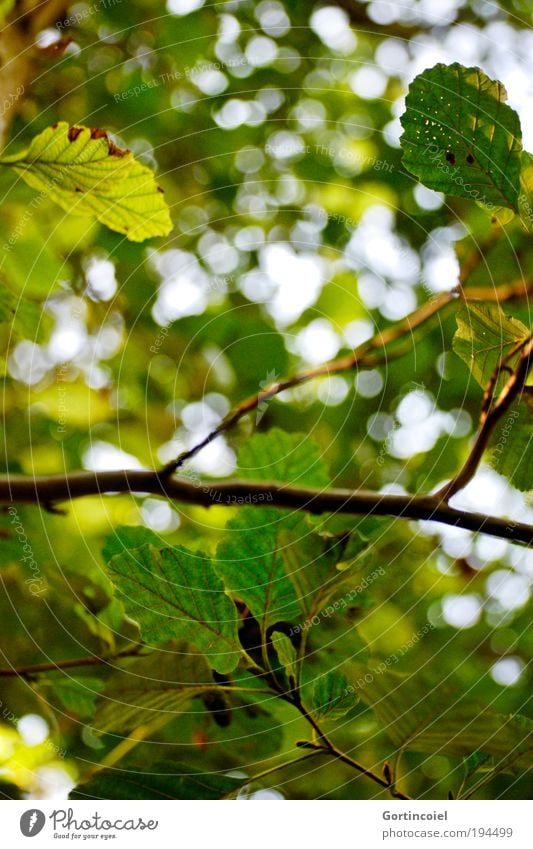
(490, 416)
(328, 748)
(361, 356)
(70, 663)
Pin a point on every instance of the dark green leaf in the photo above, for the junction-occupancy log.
(460, 137)
(165, 780)
(78, 695)
(441, 719)
(174, 593)
(332, 696)
(286, 457)
(511, 445)
(152, 688)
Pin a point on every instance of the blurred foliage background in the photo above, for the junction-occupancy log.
(274, 129)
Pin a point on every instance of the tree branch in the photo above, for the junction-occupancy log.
(328, 748)
(70, 663)
(363, 355)
(48, 489)
(490, 416)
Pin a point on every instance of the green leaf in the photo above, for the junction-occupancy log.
(484, 336)
(166, 780)
(265, 555)
(438, 718)
(525, 200)
(77, 695)
(32, 264)
(280, 456)
(286, 654)
(173, 592)
(158, 686)
(331, 695)
(460, 137)
(511, 452)
(253, 568)
(473, 762)
(126, 537)
(284, 571)
(83, 171)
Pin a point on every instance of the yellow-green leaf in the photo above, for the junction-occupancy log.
(83, 171)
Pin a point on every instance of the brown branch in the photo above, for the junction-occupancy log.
(506, 292)
(328, 748)
(70, 663)
(18, 54)
(361, 356)
(48, 489)
(491, 415)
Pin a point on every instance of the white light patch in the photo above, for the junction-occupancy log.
(298, 280)
(28, 363)
(427, 198)
(461, 611)
(184, 7)
(273, 18)
(233, 114)
(368, 384)
(511, 591)
(200, 418)
(102, 456)
(507, 671)
(67, 341)
(267, 796)
(332, 391)
(210, 82)
(317, 342)
(33, 729)
(52, 783)
(357, 332)
(217, 458)
(100, 277)
(488, 492)
(261, 51)
(184, 288)
(159, 515)
(368, 83)
(332, 25)
(414, 407)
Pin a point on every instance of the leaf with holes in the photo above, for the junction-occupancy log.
(175, 593)
(460, 137)
(83, 171)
